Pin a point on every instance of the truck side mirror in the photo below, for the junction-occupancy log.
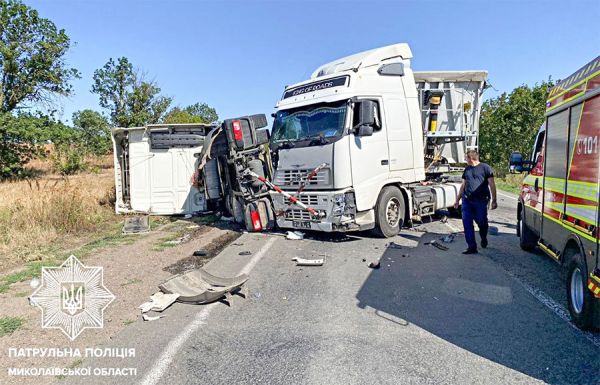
(366, 117)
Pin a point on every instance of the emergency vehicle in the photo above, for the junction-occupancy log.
(558, 204)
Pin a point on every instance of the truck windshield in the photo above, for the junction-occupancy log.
(325, 120)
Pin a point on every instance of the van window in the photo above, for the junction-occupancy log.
(557, 131)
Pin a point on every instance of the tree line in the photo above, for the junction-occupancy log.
(34, 75)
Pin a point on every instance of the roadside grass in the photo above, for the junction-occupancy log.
(53, 212)
(510, 183)
(9, 325)
(54, 257)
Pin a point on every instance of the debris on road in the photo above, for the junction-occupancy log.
(244, 253)
(159, 301)
(200, 253)
(308, 262)
(295, 235)
(449, 238)
(393, 245)
(136, 225)
(200, 287)
(439, 245)
(374, 265)
(147, 317)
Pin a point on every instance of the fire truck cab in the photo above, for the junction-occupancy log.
(558, 204)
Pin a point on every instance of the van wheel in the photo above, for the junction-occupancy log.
(527, 239)
(389, 212)
(581, 300)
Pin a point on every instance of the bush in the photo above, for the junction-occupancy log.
(68, 159)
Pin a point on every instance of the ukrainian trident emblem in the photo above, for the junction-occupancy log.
(72, 297)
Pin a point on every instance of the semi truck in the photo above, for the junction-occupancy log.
(557, 209)
(381, 136)
(365, 143)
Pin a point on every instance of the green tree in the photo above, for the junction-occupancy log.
(131, 100)
(33, 71)
(93, 131)
(195, 113)
(32, 64)
(509, 122)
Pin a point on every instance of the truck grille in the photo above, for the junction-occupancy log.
(297, 215)
(285, 178)
(309, 199)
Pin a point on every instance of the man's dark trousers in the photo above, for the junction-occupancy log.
(474, 210)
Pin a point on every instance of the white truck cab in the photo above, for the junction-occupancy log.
(379, 133)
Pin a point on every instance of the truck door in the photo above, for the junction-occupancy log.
(370, 160)
(555, 174)
(532, 186)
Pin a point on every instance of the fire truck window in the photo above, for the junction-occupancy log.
(557, 131)
(537, 149)
(575, 116)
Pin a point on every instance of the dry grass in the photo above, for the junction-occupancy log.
(53, 212)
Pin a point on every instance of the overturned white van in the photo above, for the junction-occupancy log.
(155, 168)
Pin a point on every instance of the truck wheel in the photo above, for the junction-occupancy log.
(527, 239)
(581, 301)
(389, 212)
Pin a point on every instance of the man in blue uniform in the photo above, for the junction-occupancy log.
(478, 180)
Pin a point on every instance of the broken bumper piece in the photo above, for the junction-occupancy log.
(200, 287)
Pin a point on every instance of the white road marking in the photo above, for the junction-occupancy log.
(557, 308)
(168, 355)
(507, 196)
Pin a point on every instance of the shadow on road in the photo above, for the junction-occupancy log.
(470, 302)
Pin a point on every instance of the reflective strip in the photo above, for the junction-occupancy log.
(571, 228)
(578, 189)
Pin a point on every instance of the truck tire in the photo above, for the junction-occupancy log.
(527, 239)
(580, 299)
(389, 212)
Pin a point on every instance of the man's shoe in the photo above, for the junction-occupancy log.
(470, 251)
(484, 242)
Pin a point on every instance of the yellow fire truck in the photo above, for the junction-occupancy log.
(558, 203)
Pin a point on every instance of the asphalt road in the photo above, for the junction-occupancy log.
(427, 316)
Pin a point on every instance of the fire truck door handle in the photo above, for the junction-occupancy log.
(536, 185)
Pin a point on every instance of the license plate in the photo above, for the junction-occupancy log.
(302, 225)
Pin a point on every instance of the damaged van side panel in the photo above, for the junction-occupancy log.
(155, 169)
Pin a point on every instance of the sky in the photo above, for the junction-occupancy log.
(238, 56)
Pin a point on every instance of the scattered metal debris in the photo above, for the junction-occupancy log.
(136, 225)
(244, 253)
(439, 245)
(295, 235)
(199, 286)
(159, 301)
(308, 262)
(147, 317)
(200, 253)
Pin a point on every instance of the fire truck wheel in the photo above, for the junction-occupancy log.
(581, 300)
(527, 239)
(389, 212)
